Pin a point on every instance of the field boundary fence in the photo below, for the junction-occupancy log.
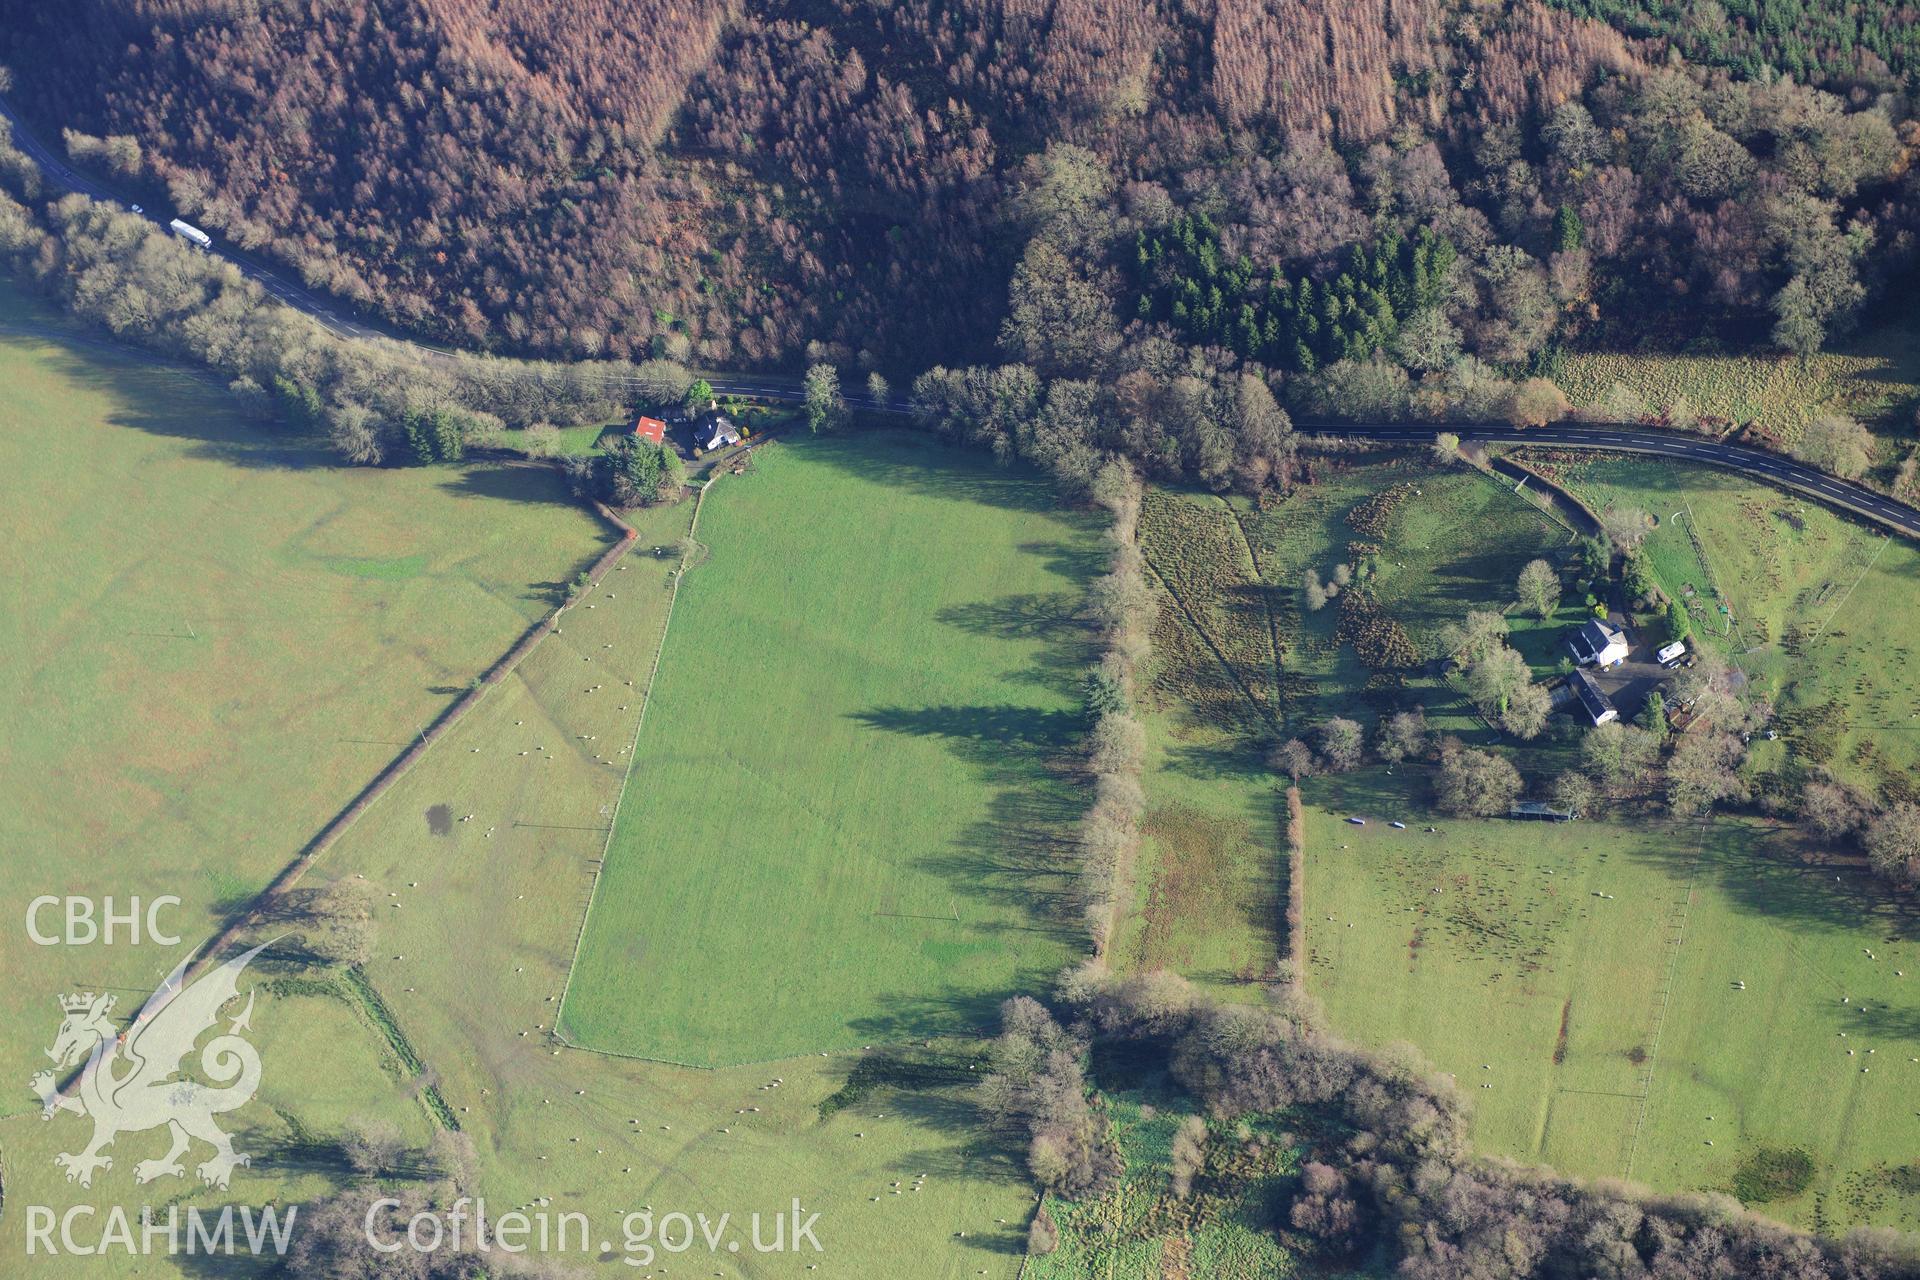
(310, 853)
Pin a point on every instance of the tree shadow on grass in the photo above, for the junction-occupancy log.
(982, 734)
(924, 463)
(1032, 616)
(1067, 642)
(1018, 860)
(510, 482)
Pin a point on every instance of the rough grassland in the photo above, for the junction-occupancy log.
(1873, 378)
(1455, 542)
(1611, 1025)
(211, 637)
(1206, 897)
(595, 1134)
(1138, 1230)
(605, 1135)
(842, 825)
(1821, 611)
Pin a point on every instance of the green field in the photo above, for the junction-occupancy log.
(602, 1134)
(844, 818)
(1611, 1025)
(212, 637)
(1819, 610)
(1209, 890)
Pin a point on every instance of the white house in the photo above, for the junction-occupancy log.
(1599, 643)
(716, 432)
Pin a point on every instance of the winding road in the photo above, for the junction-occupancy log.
(1774, 468)
(340, 319)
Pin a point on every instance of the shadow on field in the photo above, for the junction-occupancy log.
(1221, 758)
(1050, 617)
(510, 482)
(1019, 858)
(926, 464)
(978, 734)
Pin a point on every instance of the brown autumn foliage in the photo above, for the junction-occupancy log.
(633, 177)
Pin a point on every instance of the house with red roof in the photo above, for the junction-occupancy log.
(652, 430)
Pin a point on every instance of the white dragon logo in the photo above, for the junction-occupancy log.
(152, 1093)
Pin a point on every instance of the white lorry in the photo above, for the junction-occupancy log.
(191, 234)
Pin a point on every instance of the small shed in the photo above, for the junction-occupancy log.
(1540, 811)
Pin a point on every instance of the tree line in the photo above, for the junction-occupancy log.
(376, 400)
(1387, 1172)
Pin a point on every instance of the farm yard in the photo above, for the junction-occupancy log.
(1581, 981)
(845, 814)
(1818, 610)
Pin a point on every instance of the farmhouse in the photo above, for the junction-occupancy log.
(1599, 644)
(1593, 701)
(716, 432)
(652, 430)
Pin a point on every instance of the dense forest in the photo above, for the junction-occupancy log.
(855, 180)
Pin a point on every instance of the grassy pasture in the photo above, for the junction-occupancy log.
(843, 820)
(1822, 610)
(603, 1134)
(1208, 897)
(1611, 1024)
(476, 951)
(212, 637)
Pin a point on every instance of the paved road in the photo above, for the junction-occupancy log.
(1773, 467)
(331, 314)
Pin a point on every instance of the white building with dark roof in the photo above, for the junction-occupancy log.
(1593, 699)
(1599, 644)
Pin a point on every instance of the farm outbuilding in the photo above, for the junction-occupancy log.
(1593, 700)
